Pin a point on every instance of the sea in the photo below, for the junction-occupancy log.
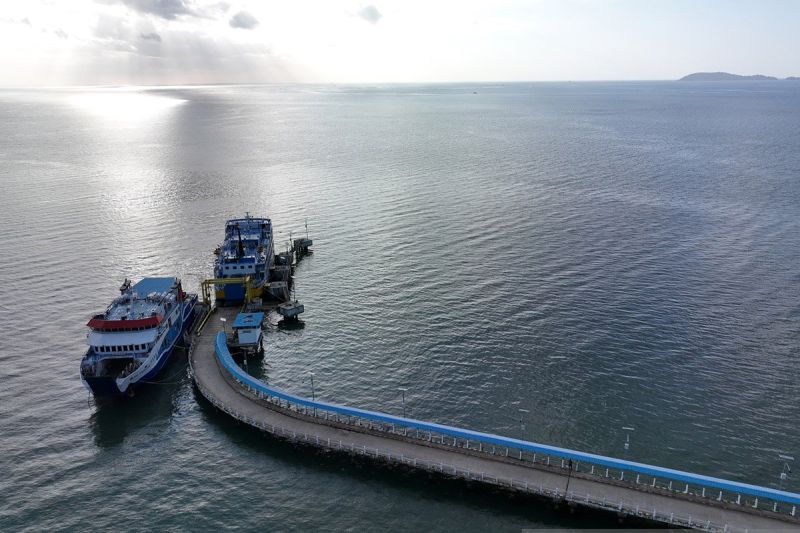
(552, 261)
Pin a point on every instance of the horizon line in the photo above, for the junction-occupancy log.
(361, 83)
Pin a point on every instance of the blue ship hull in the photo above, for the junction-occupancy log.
(106, 386)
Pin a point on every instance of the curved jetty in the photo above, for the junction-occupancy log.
(580, 479)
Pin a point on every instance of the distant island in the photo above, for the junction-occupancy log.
(727, 76)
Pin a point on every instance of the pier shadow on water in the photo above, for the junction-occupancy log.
(410, 483)
(152, 404)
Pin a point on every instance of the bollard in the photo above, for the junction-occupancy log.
(793, 507)
(775, 507)
(704, 492)
(637, 479)
(592, 469)
(755, 505)
(654, 482)
(738, 499)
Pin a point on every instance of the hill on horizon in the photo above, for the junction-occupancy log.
(727, 76)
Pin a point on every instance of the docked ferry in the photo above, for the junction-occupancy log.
(131, 342)
(247, 251)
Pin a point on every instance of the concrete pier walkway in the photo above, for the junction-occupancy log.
(474, 461)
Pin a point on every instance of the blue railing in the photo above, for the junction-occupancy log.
(240, 375)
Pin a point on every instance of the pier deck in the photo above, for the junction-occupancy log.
(226, 393)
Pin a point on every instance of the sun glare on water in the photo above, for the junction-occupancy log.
(125, 106)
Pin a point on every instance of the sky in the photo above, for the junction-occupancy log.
(180, 42)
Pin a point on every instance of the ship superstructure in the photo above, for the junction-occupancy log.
(247, 250)
(131, 342)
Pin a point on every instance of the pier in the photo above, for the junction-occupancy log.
(578, 479)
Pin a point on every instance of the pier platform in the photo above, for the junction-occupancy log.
(483, 460)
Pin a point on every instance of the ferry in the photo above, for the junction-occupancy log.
(131, 342)
(247, 251)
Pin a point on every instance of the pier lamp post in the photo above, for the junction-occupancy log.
(313, 392)
(627, 438)
(403, 396)
(786, 470)
(521, 423)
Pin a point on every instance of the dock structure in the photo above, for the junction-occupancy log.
(575, 478)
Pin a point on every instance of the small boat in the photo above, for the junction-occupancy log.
(247, 251)
(131, 342)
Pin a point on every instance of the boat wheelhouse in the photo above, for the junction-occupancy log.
(246, 251)
(132, 340)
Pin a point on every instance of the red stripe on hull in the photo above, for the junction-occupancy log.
(149, 322)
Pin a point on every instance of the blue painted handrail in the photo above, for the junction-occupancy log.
(240, 375)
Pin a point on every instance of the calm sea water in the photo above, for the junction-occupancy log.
(600, 254)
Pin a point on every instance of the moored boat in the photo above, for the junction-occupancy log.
(132, 340)
(247, 251)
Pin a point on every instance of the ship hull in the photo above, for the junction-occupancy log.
(109, 386)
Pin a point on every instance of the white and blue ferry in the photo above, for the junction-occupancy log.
(131, 342)
(247, 251)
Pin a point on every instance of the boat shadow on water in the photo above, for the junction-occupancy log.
(152, 404)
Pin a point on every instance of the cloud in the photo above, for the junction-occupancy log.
(166, 9)
(243, 20)
(370, 13)
(61, 33)
(26, 20)
(152, 36)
